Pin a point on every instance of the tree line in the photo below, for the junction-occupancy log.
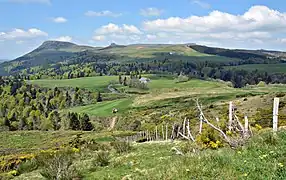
(28, 107)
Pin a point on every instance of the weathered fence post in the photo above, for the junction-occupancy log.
(275, 114)
(156, 135)
(184, 127)
(166, 132)
(162, 132)
(245, 126)
(201, 124)
(147, 134)
(230, 116)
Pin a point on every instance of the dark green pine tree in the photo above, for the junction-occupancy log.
(85, 123)
(120, 79)
(74, 123)
(125, 81)
(99, 98)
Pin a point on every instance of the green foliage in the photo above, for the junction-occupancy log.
(102, 158)
(27, 166)
(29, 107)
(59, 166)
(182, 78)
(98, 98)
(209, 139)
(121, 147)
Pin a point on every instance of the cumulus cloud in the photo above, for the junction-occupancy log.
(151, 12)
(64, 39)
(151, 36)
(258, 24)
(106, 13)
(20, 34)
(117, 33)
(59, 20)
(28, 1)
(257, 18)
(113, 28)
(98, 38)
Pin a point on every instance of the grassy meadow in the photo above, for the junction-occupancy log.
(97, 83)
(162, 91)
(261, 158)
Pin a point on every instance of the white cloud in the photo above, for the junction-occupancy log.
(151, 12)
(59, 20)
(150, 36)
(29, 1)
(201, 4)
(117, 34)
(257, 18)
(113, 28)
(258, 24)
(259, 27)
(99, 38)
(19, 42)
(64, 39)
(102, 13)
(19, 34)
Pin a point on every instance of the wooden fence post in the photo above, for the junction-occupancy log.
(162, 132)
(166, 132)
(147, 135)
(201, 124)
(230, 116)
(184, 127)
(275, 114)
(245, 126)
(156, 135)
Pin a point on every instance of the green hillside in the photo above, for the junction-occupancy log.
(97, 83)
(270, 68)
(53, 52)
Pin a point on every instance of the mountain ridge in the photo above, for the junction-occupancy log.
(52, 52)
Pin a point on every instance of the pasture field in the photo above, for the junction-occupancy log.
(163, 91)
(270, 68)
(103, 109)
(97, 83)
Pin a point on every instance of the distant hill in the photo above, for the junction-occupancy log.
(3, 60)
(239, 53)
(52, 52)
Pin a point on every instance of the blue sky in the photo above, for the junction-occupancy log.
(254, 24)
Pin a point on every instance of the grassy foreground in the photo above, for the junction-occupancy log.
(263, 157)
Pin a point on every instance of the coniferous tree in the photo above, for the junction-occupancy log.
(85, 123)
(125, 81)
(99, 98)
(120, 79)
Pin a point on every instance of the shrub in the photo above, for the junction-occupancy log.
(271, 139)
(280, 94)
(27, 166)
(59, 167)
(261, 84)
(99, 146)
(209, 139)
(182, 78)
(102, 158)
(121, 147)
(189, 147)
